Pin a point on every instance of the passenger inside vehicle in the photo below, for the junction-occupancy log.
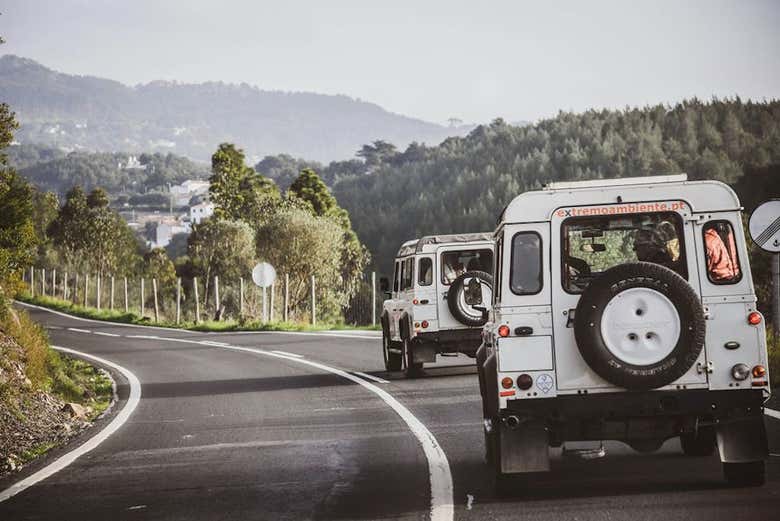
(720, 249)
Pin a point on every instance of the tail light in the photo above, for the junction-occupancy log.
(415, 302)
(524, 381)
(759, 371)
(424, 324)
(507, 382)
(754, 318)
(503, 330)
(740, 372)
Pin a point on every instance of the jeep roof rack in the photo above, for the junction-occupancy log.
(416, 246)
(621, 181)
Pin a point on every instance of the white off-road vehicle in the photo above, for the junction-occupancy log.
(437, 303)
(624, 310)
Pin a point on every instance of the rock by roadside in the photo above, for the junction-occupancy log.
(31, 421)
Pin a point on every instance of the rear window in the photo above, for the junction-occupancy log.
(526, 275)
(425, 272)
(456, 263)
(592, 245)
(721, 253)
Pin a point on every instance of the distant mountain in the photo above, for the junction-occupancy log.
(96, 114)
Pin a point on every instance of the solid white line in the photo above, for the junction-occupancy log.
(371, 377)
(101, 333)
(771, 412)
(283, 353)
(82, 319)
(145, 337)
(77, 330)
(65, 460)
(442, 508)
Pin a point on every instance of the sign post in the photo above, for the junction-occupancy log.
(264, 275)
(764, 227)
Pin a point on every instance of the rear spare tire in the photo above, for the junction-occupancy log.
(639, 326)
(456, 299)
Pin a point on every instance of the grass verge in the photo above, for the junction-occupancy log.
(206, 326)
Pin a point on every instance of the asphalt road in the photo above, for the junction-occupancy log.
(223, 433)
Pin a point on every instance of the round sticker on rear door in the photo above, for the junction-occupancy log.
(544, 382)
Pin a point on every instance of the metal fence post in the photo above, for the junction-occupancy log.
(127, 300)
(32, 281)
(142, 297)
(241, 297)
(65, 287)
(265, 308)
(43, 281)
(156, 308)
(75, 298)
(197, 302)
(111, 302)
(313, 304)
(776, 299)
(271, 314)
(54, 283)
(97, 288)
(86, 289)
(178, 300)
(373, 298)
(286, 295)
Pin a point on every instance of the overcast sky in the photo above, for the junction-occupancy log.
(428, 59)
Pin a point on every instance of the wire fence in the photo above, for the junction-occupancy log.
(200, 299)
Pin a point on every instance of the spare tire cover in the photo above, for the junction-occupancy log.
(456, 298)
(639, 325)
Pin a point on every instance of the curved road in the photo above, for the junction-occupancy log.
(234, 426)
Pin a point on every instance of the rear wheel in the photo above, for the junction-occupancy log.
(699, 443)
(392, 359)
(411, 369)
(749, 474)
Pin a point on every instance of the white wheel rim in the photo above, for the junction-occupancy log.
(640, 326)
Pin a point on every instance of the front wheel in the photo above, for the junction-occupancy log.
(392, 359)
(749, 474)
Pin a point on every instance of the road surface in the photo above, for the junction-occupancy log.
(242, 426)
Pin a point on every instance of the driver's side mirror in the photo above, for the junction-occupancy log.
(384, 284)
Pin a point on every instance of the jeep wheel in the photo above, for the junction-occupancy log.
(700, 443)
(392, 359)
(411, 369)
(456, 298)
(639, 326)
(749, 474)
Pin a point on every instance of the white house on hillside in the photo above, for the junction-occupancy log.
(187, 190)
(201, 211)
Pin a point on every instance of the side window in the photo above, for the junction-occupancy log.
(526, 275)
(396, 276)
(456, 263)
(409, 273)
(720, 251)
(497, 273)
(425, 272)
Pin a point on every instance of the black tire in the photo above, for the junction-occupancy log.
(392, 360)
(454, 301)
(646, 446)
(750, 474)
(591, 344)
(700, 443)
(411, 369)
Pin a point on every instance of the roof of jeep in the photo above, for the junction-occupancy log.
(539, 205)
(417, 245)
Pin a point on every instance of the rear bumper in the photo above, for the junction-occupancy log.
(465, 341)
(612, 406)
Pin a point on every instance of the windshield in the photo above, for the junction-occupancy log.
(592, 245)
(456, 263)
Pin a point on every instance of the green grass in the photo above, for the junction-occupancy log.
(206, 326)
(40, 450)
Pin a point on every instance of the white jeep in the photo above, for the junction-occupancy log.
(624, 310)
(437, 303)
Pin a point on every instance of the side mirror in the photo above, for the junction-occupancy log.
(473, 292)
(384, 284)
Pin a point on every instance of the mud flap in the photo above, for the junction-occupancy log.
(742, 440)
(525, 449)
(423, 352)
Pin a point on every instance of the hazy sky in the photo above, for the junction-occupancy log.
(430, 59)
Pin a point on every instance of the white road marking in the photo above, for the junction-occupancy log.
(145, 337)
(440, 478)
(279, 353)
(372, 377)
(65, 460)
(101, 333)
(469, 501)
(137, 507)
(77, 330)
(213, 343)
(771, 412)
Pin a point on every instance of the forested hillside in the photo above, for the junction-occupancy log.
(463, 184)
(82, 112)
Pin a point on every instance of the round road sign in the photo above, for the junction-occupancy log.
(764, 226)
(264, 275)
